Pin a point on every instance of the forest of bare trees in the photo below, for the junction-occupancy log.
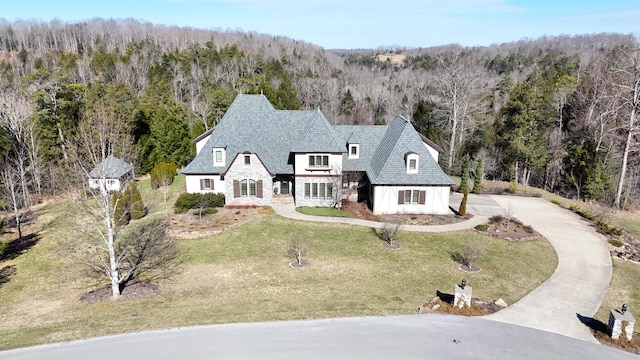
(559, 113)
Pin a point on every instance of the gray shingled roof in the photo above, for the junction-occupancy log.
(252, 124)
(111, 168)
(388, 165)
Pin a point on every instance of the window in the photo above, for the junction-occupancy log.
(412, 162)
(247, 159)
(318, 161)
(243, 188)
(206, 184)
(409, 197)
(354, 150)
(218, 157)
(249, 187)
(318, 191)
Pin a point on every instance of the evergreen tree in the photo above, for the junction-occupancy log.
(464, 180)
(121, 216)
(477, 180)
(348, 104)
(135, 203)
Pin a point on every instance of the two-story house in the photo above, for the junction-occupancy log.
(256, 152)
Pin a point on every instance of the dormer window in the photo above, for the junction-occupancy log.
(218, 157)
(247, 159)
(412, 163)
(354, 151)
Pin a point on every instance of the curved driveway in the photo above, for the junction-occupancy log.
(580, 281)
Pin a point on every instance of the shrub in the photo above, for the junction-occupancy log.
(616, 243)
(3, 245)
(557, 202)
(496, 219)
(198, 201)
(482, 227)
(472, 253)
(207, 211)
(128, 205)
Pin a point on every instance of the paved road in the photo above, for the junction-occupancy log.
(393, 337)
(580, 281)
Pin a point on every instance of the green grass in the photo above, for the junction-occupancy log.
(322, 211)
(622, 289)
(243, 275)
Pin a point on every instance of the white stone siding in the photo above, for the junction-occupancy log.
(385, 200)
(299, 190)
(255, 171)
(193, 184)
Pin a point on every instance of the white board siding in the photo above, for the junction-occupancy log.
(385, 200)
(302, 164)
(193, 184)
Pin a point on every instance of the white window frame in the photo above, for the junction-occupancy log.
(247, 160)
(248, 188)
(354, 151)
(413, 163)
(314, 164)
(413, 197)
(217, 151)
(313, 190)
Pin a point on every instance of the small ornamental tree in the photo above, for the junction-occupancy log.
(477, 180)
(462, 211)
(464, 180)
(162, 176)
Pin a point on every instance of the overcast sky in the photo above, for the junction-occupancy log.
(358, 23)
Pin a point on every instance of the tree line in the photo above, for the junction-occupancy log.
(555, 112)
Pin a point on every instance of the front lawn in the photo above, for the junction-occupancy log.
(322, 211)
(243, 275)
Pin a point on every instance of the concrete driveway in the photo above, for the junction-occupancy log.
(580, 281)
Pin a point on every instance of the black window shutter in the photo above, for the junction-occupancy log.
(401, 197)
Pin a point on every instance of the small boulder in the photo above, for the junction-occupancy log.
(501, 303)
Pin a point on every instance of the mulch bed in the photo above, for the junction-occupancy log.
(303, 264)
(136, 291)
(509, 229)
(394, 246)
(443, 304)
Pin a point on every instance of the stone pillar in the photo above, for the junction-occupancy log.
(618, 320)
(462, 296)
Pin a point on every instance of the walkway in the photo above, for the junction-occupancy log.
(579, 283)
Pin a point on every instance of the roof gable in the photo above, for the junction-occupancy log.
(111, 168)
(388, 165)
(319, 136)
